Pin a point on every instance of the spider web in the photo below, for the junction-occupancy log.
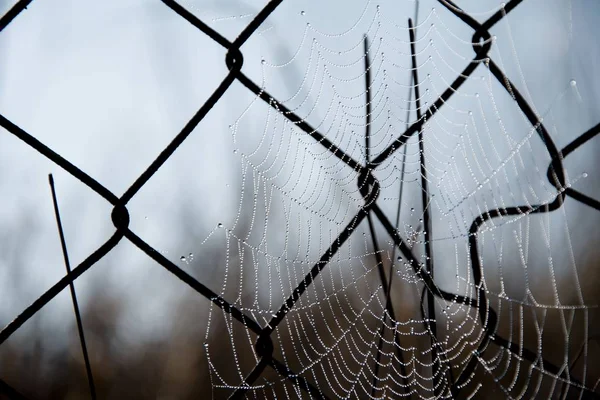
(409, 223)
(407, 236)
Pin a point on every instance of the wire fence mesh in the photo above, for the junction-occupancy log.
(444, 383)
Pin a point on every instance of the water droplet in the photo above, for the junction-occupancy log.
(585, 175)
(573, 83)
(302, 13)
(477, 95)
(234, 151)
(399, 258)
(146, 217)
(412, 210)
(219, 225)
(263, 61)
(470, 112)
(182, 259)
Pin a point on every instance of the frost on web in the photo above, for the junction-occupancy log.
(409, 235)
